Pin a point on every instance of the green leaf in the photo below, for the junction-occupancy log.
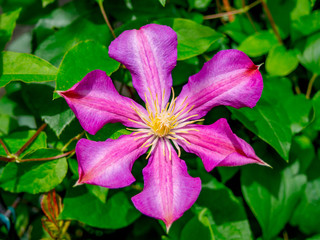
(34, 177)
(21, 44)
(17, 139)
(306, 214)
(272, 197)
(184, 69)
(316, 105)
(310, 53)
(54, 47)
(194, 229)
(80, 204)
(82, 59)
(56, 113)
(110, 130)
(299, 115)
(281, 62)
(302, 150)
(7, 25)
(227, 173)
(25, 67)
(316, 237)
(239, 29)
(305, 25)
(7, 124)
(31, 11)
(59, 18)
(100, 192)
(163, 2)
(269, 119)
(199, 4)
(193, 38)
(47, 2)
(283, 12)
(228, 214)
(258, 44)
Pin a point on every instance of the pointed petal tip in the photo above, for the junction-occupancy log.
(258, 66)
(168, 226)
(266, 164)
(78, 183)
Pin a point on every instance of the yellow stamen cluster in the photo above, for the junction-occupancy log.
(164, 124)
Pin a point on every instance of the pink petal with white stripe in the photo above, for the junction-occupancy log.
(108, 164)
(150, 54)
(229, 78)
(168, 191)
(95, 102)
(217, 145)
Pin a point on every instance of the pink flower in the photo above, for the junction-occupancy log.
(150, 53)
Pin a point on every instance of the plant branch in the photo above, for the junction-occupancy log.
(273, 24)
(5, 147)
(103, 12)
(49, 158)
(227, 6)
(5, 159)
(242, 10)
(71, 140)
(30, 140)
(248, 16)
(313, 78)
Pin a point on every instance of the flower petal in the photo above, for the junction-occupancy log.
(229, 78)
(108, 164)
(150, 54)
(217, 145)
(95, 102)
(169, 191)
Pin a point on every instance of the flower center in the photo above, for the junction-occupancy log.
(162, 123)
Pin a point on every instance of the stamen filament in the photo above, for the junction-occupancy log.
(177, 147)
(154, 143)
(138, 122)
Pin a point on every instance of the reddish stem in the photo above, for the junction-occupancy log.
(228, 9)
(49, 158)
(5, 159)
(30, 140)
(249, 16)
(273, 24)
(242, 10)
(5, 147)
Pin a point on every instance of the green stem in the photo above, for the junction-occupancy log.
(30, 140)
(313, 78)
(71, 140)
(106, 18)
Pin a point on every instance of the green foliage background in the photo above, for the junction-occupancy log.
(65, 40)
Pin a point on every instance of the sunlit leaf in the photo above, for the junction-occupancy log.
(82, 205)
(82, 59)
(281, 62)
(193, 38)
(7, 25)
(258, 44)
(34, 177)
(25, 67)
